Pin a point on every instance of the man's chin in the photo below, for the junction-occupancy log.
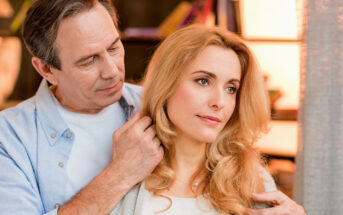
(108, 100)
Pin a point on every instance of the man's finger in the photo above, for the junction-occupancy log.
(150, 133)
(156, 142)
(143, 123)
(129, 123)
(266, 211)
(273, 198)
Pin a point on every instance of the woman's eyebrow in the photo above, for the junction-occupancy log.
(205, 72)
(212, 75)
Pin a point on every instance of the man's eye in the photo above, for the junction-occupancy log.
(231, 90)
(113, 49)
(89, 62)
(202, 81)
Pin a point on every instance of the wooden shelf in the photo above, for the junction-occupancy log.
(271, 40)
(285, 114)
(125, 38)
(281, 141)
(6, 33)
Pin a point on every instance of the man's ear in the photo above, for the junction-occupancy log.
(44, 70)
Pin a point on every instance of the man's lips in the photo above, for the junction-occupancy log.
(210, 119)
(112, 87)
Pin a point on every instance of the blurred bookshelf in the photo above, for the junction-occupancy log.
(277, 50)
(272, 28)
(153, 21)
(140, 26)
(15, 60)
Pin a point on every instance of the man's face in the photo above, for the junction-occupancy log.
(92, 62)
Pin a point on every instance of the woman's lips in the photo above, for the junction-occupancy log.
(210, 119)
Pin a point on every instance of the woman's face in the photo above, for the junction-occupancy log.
(205, 96)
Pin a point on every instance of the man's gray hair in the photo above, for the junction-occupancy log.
(42, 22)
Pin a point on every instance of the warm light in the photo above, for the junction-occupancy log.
(280, 61)
(10, 56)
(6, 10)
(281, 139)
(271, 18)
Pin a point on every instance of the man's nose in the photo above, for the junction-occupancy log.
(109, 69)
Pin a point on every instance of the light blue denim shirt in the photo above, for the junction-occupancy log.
(35, 144)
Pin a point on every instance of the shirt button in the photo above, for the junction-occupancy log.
(53, 135)
(69, 135)
(57, 205)
(60, 164)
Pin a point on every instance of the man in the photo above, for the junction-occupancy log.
(59, 142)
(57, 150)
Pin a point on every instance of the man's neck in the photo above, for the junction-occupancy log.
(72, 108)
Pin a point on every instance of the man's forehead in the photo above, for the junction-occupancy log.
(91, 29)
(87, 21)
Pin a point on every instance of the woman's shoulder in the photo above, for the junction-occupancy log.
(269, 183)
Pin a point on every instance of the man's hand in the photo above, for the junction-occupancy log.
(281, 204)
(136, 149)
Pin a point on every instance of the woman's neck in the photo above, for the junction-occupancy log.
(189, 155)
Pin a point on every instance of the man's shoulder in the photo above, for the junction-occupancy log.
(17, 130)
(132, 92)
(133, 88)
(25, 107)
(269, 183)
(20, 118)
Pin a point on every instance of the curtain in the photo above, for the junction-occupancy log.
(319, 161)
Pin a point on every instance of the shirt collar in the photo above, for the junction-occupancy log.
(48, 115)
(53, 124)
(127, 102)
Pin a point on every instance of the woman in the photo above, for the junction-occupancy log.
(205, 94)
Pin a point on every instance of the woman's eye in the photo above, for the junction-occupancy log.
(231, 90)
(202, 81)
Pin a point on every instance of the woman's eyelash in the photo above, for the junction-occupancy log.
(202, 81)
(206, 81)
(231, 90)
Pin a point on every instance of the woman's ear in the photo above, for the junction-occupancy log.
(44, 70)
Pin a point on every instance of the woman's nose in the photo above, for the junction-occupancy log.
(216, 100)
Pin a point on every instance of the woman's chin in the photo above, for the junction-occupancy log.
(206, 138)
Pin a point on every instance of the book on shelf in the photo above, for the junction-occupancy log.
(206, 12)
(227, 16)
(199, 11)
(139, 32)
(20, 16)
(193, 13)
(175, 18)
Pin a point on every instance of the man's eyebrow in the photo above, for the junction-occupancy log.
(84, 58)
(115, 41)
(212, 75)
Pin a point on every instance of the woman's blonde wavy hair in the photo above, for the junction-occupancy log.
(232, 165)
